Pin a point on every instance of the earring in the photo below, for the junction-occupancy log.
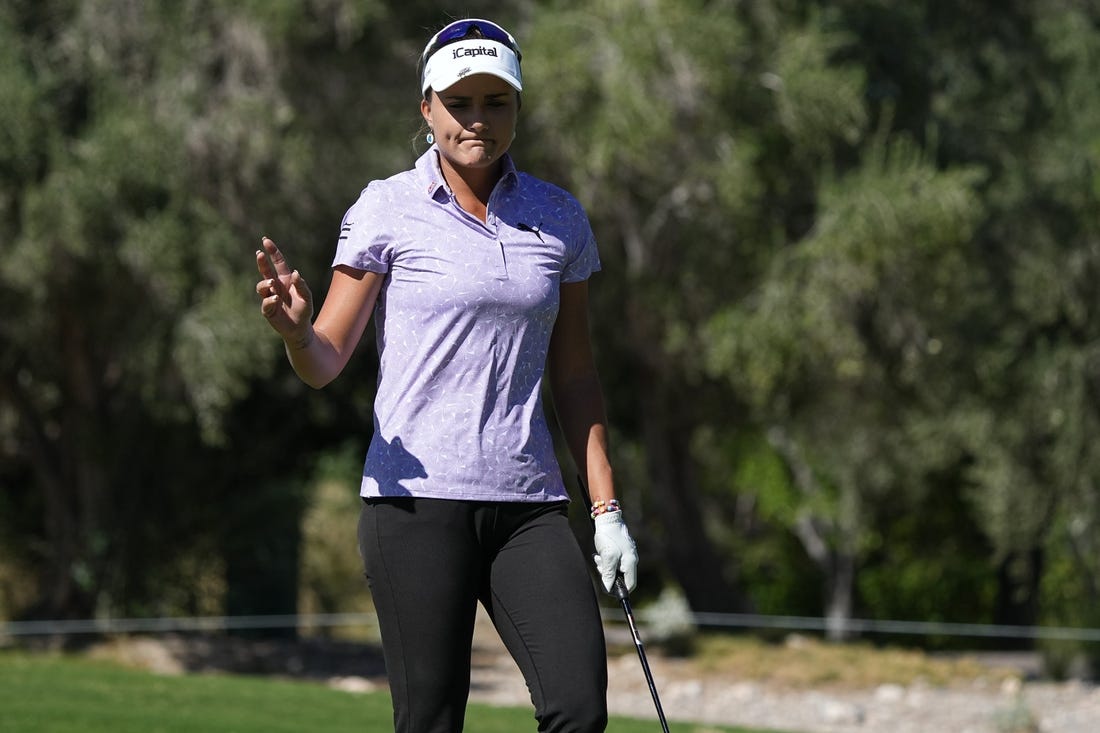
(430, 138)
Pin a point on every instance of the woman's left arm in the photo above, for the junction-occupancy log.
(578, 399)
(578, 396)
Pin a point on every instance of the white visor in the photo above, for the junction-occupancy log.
(467, 57)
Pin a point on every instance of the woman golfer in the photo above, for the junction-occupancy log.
(476, 276)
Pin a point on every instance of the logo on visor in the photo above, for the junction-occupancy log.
(479, 51)
(463, 72)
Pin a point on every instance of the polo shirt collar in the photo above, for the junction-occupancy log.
(435, 185)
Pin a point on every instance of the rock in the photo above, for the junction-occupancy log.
(839, 712)
(144, 653)
(889, 693)
(352, 684)
(686, 690)
(743, 692)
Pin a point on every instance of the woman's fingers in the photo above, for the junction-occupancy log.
(299, 283)
(285, 298)
(263, 264)
(282, 269)
(270, 306)
(276, 287)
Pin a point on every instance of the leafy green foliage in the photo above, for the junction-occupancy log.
(131, 330)
(848, 307)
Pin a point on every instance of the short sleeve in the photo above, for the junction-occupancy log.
(583, 255)
(366, 242)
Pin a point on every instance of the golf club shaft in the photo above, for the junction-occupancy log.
(619, 591)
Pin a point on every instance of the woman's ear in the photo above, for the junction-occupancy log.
(426, 109)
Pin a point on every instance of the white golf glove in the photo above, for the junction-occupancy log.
(615, 551)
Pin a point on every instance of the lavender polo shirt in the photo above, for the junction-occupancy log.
(463, 324)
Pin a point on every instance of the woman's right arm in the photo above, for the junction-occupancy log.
(319, 350)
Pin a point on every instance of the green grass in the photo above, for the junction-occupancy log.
(61, 694)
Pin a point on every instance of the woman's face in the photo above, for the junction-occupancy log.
(474, 120)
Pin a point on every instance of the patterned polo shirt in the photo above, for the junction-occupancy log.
(463, 325)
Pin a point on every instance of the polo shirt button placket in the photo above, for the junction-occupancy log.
(502, 263)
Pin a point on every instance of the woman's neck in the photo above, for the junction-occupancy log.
(472, 187)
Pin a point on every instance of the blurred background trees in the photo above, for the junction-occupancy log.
(847, 321)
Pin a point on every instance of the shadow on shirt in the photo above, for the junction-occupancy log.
(388, 463)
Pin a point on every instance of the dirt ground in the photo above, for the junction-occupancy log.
(1000, 695)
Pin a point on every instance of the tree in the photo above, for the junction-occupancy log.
(837, 346)
(847, 307)
(155, 445)
(744, 200)
(140, 137)
(1035, 478)
(635, 129)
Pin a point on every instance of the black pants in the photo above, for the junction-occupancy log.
(429, 562)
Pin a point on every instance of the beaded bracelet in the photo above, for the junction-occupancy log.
(604, 507)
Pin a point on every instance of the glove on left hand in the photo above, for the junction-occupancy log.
(615, 551)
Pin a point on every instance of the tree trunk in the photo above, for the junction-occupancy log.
(837, 564)
(1018, 579)
(59, 594)
(838, 605)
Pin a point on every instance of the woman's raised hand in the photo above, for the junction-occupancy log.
(286, 300)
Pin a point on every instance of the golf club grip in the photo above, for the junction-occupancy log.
(618, 588)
